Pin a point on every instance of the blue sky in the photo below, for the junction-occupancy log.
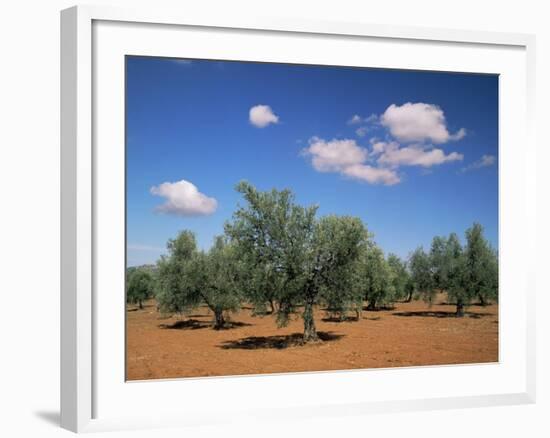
(414, 154)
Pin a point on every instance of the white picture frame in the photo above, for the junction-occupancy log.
(91, 37)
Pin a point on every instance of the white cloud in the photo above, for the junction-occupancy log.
(412, 131)
(355, 120)
(458, 135)
(183, 199)
(394, 156)
(484, 161)
(379, 146)
(377, 166)
(418, 122)
(262, 116)
(372, 175)
(334, 155)
(347, 158)
(366, 124)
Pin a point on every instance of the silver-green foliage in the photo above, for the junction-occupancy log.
(452, 269)
(401, 277)
(378, 278)
(218, 275)
(188, 278)
(291, 257)
(140, 286)
(481, 266)
(465, 273)
(339, 242)
(420, 267)
(176, 284)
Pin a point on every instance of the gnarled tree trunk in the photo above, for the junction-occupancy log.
(310, 333)
(459, 308)
(219, 320)
(272, 305)
(372, 305)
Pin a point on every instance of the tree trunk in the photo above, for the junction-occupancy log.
(410, 297)
(272, 304)
(310, 333)
(372, 305)
(357, 314)
(140, 304)
(459, 309)
(219, 321)
(482, 300)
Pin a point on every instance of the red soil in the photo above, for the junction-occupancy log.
(410, 334)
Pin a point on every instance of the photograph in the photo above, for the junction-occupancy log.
(285, 218)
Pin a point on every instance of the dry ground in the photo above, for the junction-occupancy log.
(410, 334)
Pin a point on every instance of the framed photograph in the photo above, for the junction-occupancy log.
(257, 208)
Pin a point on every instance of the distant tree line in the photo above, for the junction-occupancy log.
(284, 260)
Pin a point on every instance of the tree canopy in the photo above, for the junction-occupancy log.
(421, 273)
(189, 277)
(140, 286)
(296, 259)
(285, 260)
(401, 276)
(481, 266)
(465, 273)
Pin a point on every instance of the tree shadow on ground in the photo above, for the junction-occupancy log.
(186, 324)
(275, 342)
(135, 309)
(195, 324)
(254, 314)
(439, 314)
(338, 319)
(444, 303)
(477, 315)
(378, 309)
(234, 324)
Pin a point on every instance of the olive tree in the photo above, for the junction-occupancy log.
(481, 266)
(338, 243)
(401, 277)
(440, 263)
(294, 259)
(218, 277)
(421, 274)
(176, 290)
(273, 236)
(453, 274)
(465, 273)
(378, 278)
(140, 286)
(188, 278)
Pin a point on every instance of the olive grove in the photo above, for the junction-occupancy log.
(285, 260)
